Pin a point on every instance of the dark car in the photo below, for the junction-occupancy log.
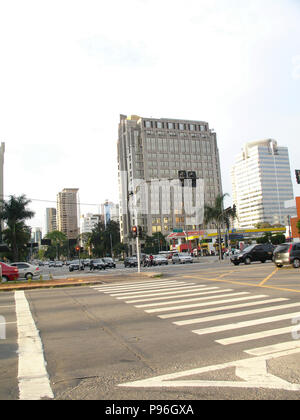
(75, 265)
(287, 254)
(97, 264)
(109, 262)
(131, 262)
(256, 252)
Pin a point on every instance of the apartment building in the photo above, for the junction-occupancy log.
(68, 212)
(51, 224)
(261, 183)
(153, 152)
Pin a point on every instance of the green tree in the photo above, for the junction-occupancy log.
(220, 217)
(298, 226)
(58, 244)
(14, 213)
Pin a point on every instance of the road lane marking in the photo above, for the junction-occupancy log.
(32, 374)
(186, 294)
(253, 373)
(172, 291)
(275, 348)
(244, 324)
(220, 308)
(140, 286)
(236, 314)
(175, 286)
(268, 277)
(285, 289)
(197, 299)
(215, 302)
(255, 336)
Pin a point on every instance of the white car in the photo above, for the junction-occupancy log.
(27, 270)
(181, 258)
(160, 260)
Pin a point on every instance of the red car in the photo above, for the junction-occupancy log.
(8, 272)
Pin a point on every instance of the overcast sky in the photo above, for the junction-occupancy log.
(69, 68)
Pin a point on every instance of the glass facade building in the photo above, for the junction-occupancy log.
(261, 183)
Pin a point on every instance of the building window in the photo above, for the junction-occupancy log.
(181, 126)
(170, 126)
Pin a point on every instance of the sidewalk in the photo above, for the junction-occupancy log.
(75, 281)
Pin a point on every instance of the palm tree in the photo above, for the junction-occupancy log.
(57, 240)
(220, 217)
(14, 212)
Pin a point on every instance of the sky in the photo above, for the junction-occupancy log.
(69, 68)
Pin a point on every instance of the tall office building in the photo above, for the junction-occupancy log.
(152, 152)
(68, 212)
(51, 224)
(261, 183)
(110, 212)
(89, 221)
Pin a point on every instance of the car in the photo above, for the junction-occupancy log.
(287, 254)
(8, 272)
(87, 262)
(76, 265)
(110, 262)
(26, 270)
(255, 252)
(58, 264)
(51, 264)
(181, 258)
(131, 262)
(160, 260)
(97, 264)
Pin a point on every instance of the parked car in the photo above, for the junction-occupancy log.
(287, 254)
(131, 262)
(75, 265)
(181, 258)
(51, 264)
(26, 270)
(256, 252)
(110, 262)
(97, 264)
(8, 272)
(160, 260)
(58, 264)
(87, 262)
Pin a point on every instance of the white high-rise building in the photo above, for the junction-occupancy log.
(261, 183)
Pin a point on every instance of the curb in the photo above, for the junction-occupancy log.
(73, 282)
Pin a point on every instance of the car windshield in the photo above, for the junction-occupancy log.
(248, 248)
(282, 248)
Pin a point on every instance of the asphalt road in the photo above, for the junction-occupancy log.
(202, 331)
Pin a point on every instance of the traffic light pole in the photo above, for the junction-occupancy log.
(138, 253)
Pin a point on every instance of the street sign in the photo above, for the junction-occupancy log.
(177, 230)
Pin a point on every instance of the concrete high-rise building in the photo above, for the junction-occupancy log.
(68, 212)
(261, 183)
(89, 221)
(154, 151)
(51, 224)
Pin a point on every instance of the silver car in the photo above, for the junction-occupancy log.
(27, 270)
(181, 258)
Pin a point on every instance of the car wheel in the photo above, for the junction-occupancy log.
(296, 263)
(28, 275)
(263, 261)
(236, 263)
(4, 279)
(279, 265)
(247, 261)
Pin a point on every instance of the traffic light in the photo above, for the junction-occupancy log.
(134, 231)
(77, 248)
(140, 231)
(297, 171)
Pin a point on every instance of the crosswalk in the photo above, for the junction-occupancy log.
(211, 310)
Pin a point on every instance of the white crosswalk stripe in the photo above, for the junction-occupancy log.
(181, 299)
